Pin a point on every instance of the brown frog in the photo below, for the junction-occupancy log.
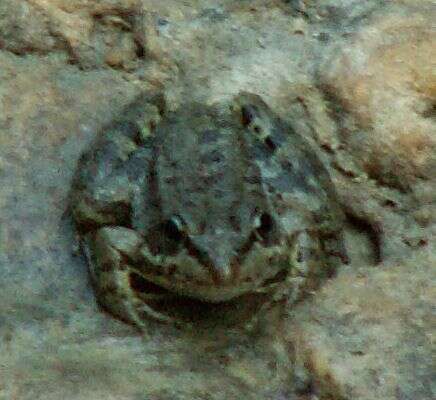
(207, 202)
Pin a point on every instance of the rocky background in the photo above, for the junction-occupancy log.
(357, 78)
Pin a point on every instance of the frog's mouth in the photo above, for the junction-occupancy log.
(185, 308)
(211, 277)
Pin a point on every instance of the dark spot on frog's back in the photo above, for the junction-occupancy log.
(212, 156)
(292, 178)
(170, 180)
(137, 163)
(248, 114)
(287, 165)
(235, 222)
(253, 179)
(268, 146)
(209, 136)
(129, 129)
(262, 151)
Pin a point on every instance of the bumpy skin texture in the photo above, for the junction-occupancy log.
(205, 202)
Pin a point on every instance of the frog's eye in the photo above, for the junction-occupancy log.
(264, 226)
(174, 228)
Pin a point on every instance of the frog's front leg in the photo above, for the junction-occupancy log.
(111, 252)
(307, 266)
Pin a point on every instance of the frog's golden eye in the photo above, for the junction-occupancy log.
(264, 226)
(174, 228)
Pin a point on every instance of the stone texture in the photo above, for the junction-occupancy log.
(383, 80)
(369, 335)
(356, 78)
(380, 86)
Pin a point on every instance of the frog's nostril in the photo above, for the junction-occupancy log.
(219, 265)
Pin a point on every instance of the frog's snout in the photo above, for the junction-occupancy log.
(222, 272)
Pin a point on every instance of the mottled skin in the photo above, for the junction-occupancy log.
(213, 203)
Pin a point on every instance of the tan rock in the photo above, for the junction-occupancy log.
(384, 80)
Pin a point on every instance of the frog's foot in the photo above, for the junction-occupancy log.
(307, 266)
(108, 258)
(277, 294)
(287, 289)
(116, 296)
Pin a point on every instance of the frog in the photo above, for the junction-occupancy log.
(209, 202)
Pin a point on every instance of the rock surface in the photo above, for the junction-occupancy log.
(356, 78)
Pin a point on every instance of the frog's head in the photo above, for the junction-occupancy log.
(216, 232)
(217, 263)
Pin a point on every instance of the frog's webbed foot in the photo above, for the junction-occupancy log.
(109, 252)
(116, 296)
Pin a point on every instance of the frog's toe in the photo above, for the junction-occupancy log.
(117, 297)
(109, 252)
